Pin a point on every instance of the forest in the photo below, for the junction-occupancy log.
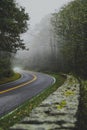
(60, 45)
(61, 42)
(70, 30)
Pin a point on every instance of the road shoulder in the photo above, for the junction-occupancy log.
(58, 111)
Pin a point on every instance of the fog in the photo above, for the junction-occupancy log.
(43, 50)
(37, 9)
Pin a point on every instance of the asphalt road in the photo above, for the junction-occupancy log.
(15, 93)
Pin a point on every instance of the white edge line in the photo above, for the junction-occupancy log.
(54, 80)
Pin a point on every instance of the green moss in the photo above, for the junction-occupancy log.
(61, 105)
(69, 93)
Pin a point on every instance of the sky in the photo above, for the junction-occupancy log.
(37, 9)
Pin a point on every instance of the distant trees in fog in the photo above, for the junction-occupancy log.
(70, 28)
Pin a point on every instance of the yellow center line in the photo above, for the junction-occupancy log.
(19, 86)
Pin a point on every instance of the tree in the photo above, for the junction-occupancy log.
(70, 26)
(13, 22)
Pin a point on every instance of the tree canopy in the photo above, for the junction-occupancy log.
(13, 22)
(70, 27)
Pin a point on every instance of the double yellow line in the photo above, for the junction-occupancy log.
(19, 86)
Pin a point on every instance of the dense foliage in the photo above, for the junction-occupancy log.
(13, 22)
(70, 28)
(82, 110)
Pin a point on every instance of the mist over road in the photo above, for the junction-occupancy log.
(15, 93)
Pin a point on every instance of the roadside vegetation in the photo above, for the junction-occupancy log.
(70, 29)
(82, 111)
(14, 77)
(24, 110)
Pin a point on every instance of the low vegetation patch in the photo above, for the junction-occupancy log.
(10, 79)
(69, 93)
(61, 105)
(26, 108)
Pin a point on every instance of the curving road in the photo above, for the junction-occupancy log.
(15, 93)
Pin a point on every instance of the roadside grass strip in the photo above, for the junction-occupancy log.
(10, 79)
(22, 111)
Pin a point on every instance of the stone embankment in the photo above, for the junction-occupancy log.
(57, 112)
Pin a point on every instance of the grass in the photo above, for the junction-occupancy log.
(10, 79)
(24, 110)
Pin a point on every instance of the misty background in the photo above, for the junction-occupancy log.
(43, 54)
